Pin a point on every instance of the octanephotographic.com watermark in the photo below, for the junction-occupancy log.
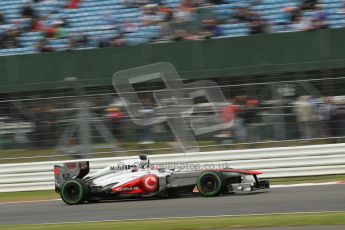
(175, 104)
(171, 166)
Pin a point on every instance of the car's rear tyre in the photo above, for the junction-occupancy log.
(74, 191)
(210, 184)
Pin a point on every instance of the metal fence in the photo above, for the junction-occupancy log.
(273, 162)
(79, 123)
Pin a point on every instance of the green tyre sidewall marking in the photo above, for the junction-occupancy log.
(216, 191)
(80, 196)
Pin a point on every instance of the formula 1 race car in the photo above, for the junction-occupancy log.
(137, 178)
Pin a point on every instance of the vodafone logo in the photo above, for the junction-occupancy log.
(149, 183)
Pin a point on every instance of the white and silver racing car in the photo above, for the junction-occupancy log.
(137, 178)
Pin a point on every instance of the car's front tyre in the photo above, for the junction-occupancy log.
(210, 184)
(74, 191)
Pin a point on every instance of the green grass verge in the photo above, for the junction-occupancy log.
(45, 195)
(31, 195)
(281, 220)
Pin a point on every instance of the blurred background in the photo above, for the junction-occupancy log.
(279, 64)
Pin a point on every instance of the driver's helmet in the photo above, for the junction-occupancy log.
(144, 161)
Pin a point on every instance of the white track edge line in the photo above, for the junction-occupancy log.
(189, 217)
(27, 201)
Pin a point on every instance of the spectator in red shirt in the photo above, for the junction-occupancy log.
(228, 114)
(36, 25)
(115, 117)
(73, 4)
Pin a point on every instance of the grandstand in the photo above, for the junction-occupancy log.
(99, 22)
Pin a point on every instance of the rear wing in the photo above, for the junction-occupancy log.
(68, 171)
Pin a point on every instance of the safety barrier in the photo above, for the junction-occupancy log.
(273, 162)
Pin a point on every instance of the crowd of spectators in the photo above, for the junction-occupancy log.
(31, 21)
(320, 117)
(313, 117)
(304, 117)
(191, 20)
(299, 23)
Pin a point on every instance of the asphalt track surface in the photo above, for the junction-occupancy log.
(279, 200)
